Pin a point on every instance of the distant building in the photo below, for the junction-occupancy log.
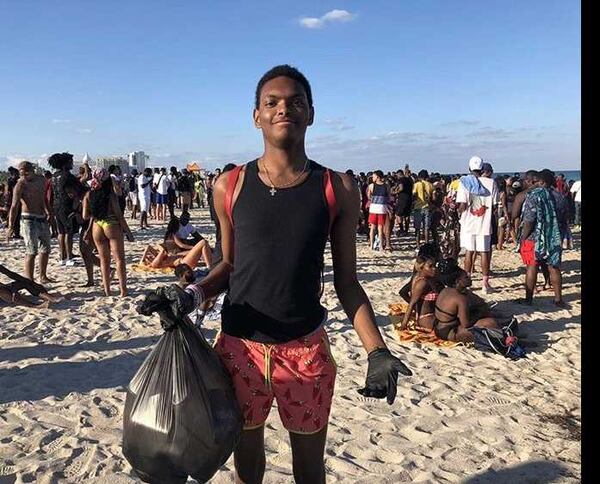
(121, 162)
(137, 160)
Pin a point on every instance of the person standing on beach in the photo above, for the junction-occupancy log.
(280, 207)
(144, 196)
(576, 192)
(541, 240)
(30, 197)
(422, 193)
(477, 198)
(378, 194)
(63, 204)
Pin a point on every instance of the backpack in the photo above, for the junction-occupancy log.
(501, 341)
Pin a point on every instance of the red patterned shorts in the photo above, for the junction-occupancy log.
(299, 374)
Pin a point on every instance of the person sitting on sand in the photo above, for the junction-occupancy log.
(424, 291)
(452, 316)
(9, 293)
(175, 250)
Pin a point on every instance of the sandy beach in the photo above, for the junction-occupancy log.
(464, 416)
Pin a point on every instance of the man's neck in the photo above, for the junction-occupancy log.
(281, 160)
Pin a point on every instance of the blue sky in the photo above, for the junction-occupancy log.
(429, 83)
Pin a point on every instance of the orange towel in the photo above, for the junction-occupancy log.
(414, 333)
(145, 268)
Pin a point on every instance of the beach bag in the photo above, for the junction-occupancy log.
(181, 414)
(501, 341)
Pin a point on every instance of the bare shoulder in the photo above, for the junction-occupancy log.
(344, 185)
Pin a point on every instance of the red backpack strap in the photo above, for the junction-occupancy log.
(330, 196)
(231, 183)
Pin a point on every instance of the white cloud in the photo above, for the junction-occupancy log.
(84, 130)
(339, 16)
(311, 23)
(61, 121)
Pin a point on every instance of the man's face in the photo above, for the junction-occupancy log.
(25, 172)
(283, 113)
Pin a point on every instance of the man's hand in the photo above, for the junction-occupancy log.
(382, 375)
(180, 301)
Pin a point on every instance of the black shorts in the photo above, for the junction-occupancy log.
(64, 224)
(403, 205)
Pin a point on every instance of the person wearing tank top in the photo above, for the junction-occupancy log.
(378, 194)
(276, 214)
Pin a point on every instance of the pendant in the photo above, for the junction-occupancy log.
(273, 191)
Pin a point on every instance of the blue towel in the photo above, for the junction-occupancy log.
(473, 185)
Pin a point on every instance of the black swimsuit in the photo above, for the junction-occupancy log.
(447, 328)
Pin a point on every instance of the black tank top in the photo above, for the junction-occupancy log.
(279, 241)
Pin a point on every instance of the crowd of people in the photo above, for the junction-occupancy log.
(92, 207)
(286, 208)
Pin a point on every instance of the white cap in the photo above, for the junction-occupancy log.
(475, 163)
(86, 158)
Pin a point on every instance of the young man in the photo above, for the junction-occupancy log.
(30, 197)
(378, 194)
(63, 204)
(187, 232)
(272, 338)
(162, 194)
(185, 190)
(145, 196)
(477, 197)
(422, 192)
(133, 193)
(541, 241)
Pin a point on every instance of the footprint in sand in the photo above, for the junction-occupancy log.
(79, 463)
(7, 470)
(52, 442)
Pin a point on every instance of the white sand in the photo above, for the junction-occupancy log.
(464, 416)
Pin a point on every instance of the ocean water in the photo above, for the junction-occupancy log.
(569, 174)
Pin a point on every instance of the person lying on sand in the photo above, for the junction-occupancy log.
(9, 293)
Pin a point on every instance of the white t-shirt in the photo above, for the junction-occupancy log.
(477, 218)
(143, 179)
(185, 231)
(162, 184)
(576, 189)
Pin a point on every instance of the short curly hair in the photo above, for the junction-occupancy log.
(284, 70)
(60, 160)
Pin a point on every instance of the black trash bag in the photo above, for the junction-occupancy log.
(181, 415)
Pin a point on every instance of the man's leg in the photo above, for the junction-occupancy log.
(249, 457)
(530, 281)
(469, 261)
(62, 246)
(44, 256)
(380, 232)
(486, 258)
(307, 457)
(556, 278)
(29, 265)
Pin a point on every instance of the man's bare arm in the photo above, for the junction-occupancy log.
(217, 280)
(14, 208)
(343, 250)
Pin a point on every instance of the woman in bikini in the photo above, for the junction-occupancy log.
(175, 250)
(108, 225)
(424, 291)
(452, 316)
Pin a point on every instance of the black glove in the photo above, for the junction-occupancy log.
(154, 303)
(180, 301)
(382, 375)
